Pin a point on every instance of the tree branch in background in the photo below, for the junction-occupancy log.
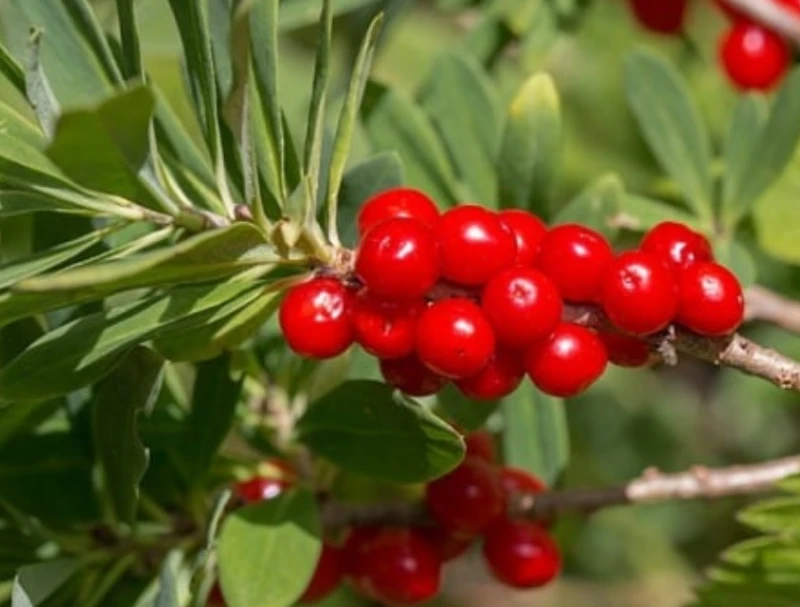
(772, 14)
(766, 305)
(652, 487)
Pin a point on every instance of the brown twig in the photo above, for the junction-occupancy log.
(651, 487)
(766, 305)
(772, 14)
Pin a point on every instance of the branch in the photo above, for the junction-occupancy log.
(763, 304)
(652, 487)
(772, 14)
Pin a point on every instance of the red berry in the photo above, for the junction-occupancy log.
(398, 259)
(215, 598)
(711, 300)
(397, 202)
(385, 329)
(474, 245)
(467, 499)
(731, 12)
(394, 565)
(575, 258)
(567, 362)
(454, 339)
(792, 5)
(676, 245)
(528, 231)
(639, 293)
(516, 481)
(521, 554)
(315, 318)
(480, 444)
(326, 577)
(410, 376)
(448, 546)
(626, 351)
(261, 488)
(522, 305)
(662, 16)
(754, 57)
(497, 379)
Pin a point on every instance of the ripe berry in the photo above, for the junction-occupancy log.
(575, 258)
(625, 351)
(410, 376)
(315, 318)
(398, 259)
(676, 245)
(662, 16)
(397, 202)
(711, 300)
(385, 329)
(516, 481)
(474, 245)
(467, 499)
(448, 546)
(394, 565)
(521, 554)
(732, 13)
(480, 444)
(754, 57)
(639, 293)
(454, 339)
(528, 231)
(499, 378)
(522, 305)
(261, 488)
(215, 598)
(326, 577)
(567, 362)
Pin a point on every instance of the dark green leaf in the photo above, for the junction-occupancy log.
(84, 18)
(11, 69)
(35, 583)
(129, 37)
(130, 390)
(367, 427)
(596, 206)
(749, 595)
(301, 13)
(453, 405)
(268, 551)
(639, 214)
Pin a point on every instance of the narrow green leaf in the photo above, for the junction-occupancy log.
(36, 583)
(347, 123)
(735, 256)
(458, 93)
(15, 126)
(302, 13)
(37, 87)
(366, 427)
(130, 390)
(536, 437)
(530, 150)
(596, 206)
(639, 214)
(132, 66)
(746, 127)
(779, 515)
(84, 18)
(671, 124)
(20, 202)
(268, 551)
(11, 69)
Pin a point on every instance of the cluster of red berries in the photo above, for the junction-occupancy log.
(476, 297)
(753, 56)
(402, 565)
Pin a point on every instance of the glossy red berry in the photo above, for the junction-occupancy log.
(626, 351)
(499, 378)
(521, 554)
(261, 488)
(711, 300)
(474, 245)
(567, 362)
(394, 565)
(639, 293)
(528, 231)
(410, 376)
(480, 444)
(327, 575)
(386, 329)
(661, 16)
(454, 339)
(676, 245)
(516, 481)
(522, 305)
(398, 259)
(755, 58)
(315, 318)
(448, 546)
(467, 499)
(394, 203)
(575, 258)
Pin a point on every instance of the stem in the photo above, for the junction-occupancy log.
(763, 304)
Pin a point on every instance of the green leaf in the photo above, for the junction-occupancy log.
(105, 148)
(37, 86)
(86, 21)
(596, 206)
(671, 124)
(453, 405)
(173, 581)
(268, 551)
(530, 150)
(12, 70)
(750, 594)
(214, 400)
(536, 437)
(85, 350)
(368, 428)
(130, 390)
(301, 13)
(373, 175)
(132, 65)
(36, 583)
(776, 216)
(347, 123)
(735, 256)
(780, 515)
(456, 94)
(746, 126)
(395, 124)
(639, 214)
(20, 202)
